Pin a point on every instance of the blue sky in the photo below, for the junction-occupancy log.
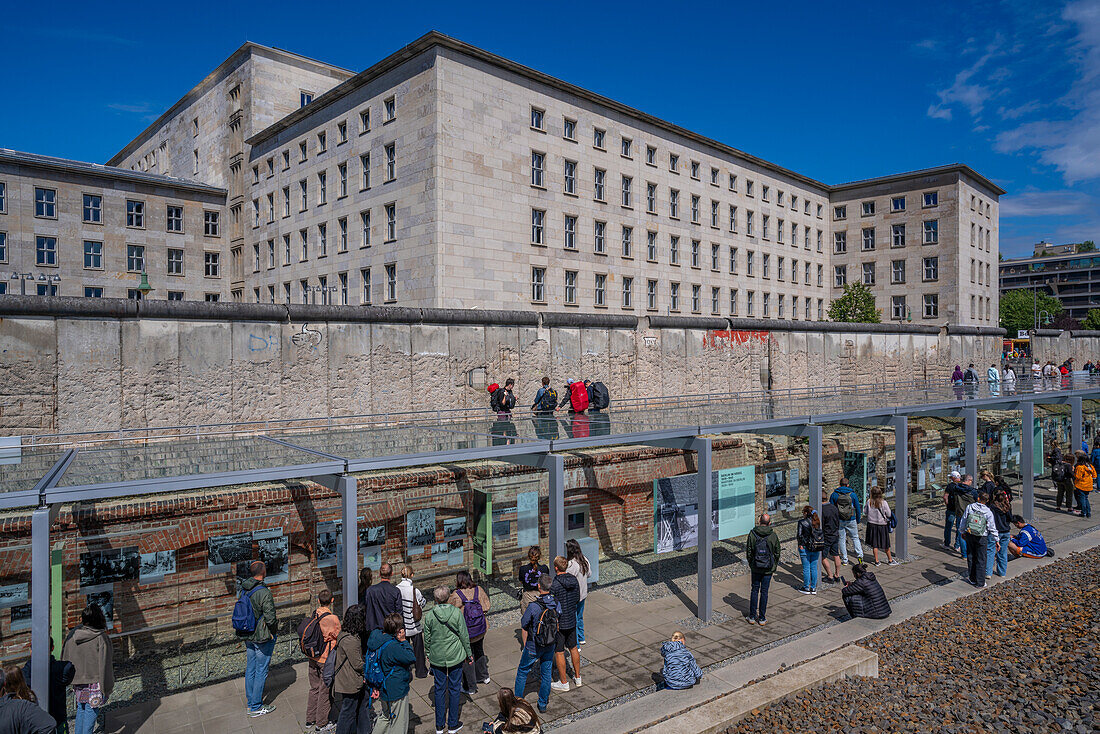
(835, 91)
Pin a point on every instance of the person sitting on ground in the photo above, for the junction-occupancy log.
(680, 670)
(516, 715)
(20, 716)
(864, 597)
(1029, 543)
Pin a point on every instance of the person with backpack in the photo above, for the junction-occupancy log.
(546, 399)
(254, 622)
(316, 637)
(811, 541)
(567, 592)
(540, 626)
(970, 380)
(1084, 479)
(864, 597)
(412, 609)
(598, 396)
(576, 395)
(90, 651)
(529, 576)
(980, 528)
(830, 530)
(957, 496)
(1062, 474)
(474, 603)
(347, 671)
(502, 400)
(847, 505)
(878, 525)
(448, 643)
(762, 552)
(580, 570)
(388, 668)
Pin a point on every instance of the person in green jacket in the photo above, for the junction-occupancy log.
(447, 642)
(396, 658)
(260, 643)
(762, 552)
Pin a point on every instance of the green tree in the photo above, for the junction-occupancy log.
(857, 305)
(1087, 246)
(1092, 320)
(1019, 307)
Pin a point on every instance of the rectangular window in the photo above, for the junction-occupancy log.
(342, 222)
(286, 251)
(897, 308)
(733, 261)
(322, 240)
(391, 222)
(782, 306)
(794, 271)
(819, 240)
(897, 271)
(628, 241)
(715, 299)
(733, 182)
(45, 203)
(271, 255)
(341, 132)
(538, 285)
(840, 275)
(93, 292)
(651, 198)
(694, 209)
(897, 204)
(714, 176)
(748, 187)
(897, 234)
(715, 257)
(806, 275)
(931, 232)
(93, 206)
(302, 151)
(570, 177)
(599, 289)
(537, 218)
(364, 276)
(45, 250)
(570, 232)
(286, 201)
(364, 163)
(733, 218)
(867, 208)
(733, 301)
(211, 224)
(598, 138)
(779, 197)
(174, 218)
(695, 298)
(538, 118)
(569, 129)
(674, 203)
(93, 255)
(749, 263)
(674, 249)
(695, 253)
(304, 98)
(931, 198)
(931, 268)
(391, 161)
(391, 282)
(779, 230)
(931, 305)
(3, 197)
(342, 169)
(135, 258)
(256, 258)
(627, 197)
(599, 230)
(303, 191)
(270, 208)
(868, 239)
(389, 109)
(765, 195)
(868, 273)
(674, 296)
(571, 287)
(538, 160)
(303, 241)
(599, 176)
(840, 212)
(322, 142)
(748, 224)
(840, 242)
(322, 188)
(651, 247)
(651, 295)
(765, 305)
(779, 267)
(286, 159)
(364, 223)
(714, 214)
(764, 220)
(628, 292)
(625, 147)
(749, 303)
(765, 265)
(211, 264)
(820, 276)
(695, 170)
(135, 214)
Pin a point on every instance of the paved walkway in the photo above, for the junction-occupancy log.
(622, 655)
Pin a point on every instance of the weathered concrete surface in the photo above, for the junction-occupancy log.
(101, 373)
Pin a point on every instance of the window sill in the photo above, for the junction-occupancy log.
(602, 150)
(538, 129)
(389, 180)
(98, 224)
(628, 207)
(568, 140)
(599, 306)
(539, 188)
(533, 244)
(567, 304)
(626, 257)
(627, 157)
(600, 254)
(651, 165)
(384, 123)
(386, 242)
(569, 194)
(599, 201)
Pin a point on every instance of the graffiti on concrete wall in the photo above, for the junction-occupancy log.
(726, 339)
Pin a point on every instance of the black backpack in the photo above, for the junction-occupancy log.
(762, 558)
(545, 629)
(549, 400)
(817, 539)
(599, 397)
(311, 639)
(1059, 472)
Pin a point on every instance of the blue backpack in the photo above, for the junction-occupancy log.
(244, 616)
(374, 674)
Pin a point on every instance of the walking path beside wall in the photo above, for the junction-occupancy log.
(74, 365)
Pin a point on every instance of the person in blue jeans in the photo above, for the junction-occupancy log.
(447, 642)
(260, 643)
(950, 517)
(997, 561)
(810, 542)
(847, 503)
(533, 654)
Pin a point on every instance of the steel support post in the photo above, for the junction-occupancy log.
(40, 604)
(703, 464)
(814, 435)
(901, 484)
(1076, 422)
(555, 465)
(970, 430)
(348, 487)
(1027, 456)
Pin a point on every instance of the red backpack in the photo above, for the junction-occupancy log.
(578, 396)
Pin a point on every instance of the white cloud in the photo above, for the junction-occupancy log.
(965, 90)
(1046, 204)
(1015, 113)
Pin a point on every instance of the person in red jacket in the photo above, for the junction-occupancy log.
(576, 395)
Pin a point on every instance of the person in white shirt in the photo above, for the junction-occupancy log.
(412, 607)
(994, 378)
(578, 566)
(1009, 380)
(981, 529)
(1036, 376)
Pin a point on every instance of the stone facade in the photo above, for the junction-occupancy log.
(69, 225)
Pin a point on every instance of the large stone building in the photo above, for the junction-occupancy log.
(1063, 271)
(446, 176)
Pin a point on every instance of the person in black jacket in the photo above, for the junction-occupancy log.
(380, 601)
(23, 717)
(567, 591)
(62, 673)
(830, 528)
(864, 597)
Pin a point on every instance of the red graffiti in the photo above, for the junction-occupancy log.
(724, 339)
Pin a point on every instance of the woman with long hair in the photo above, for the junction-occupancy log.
(15, 686)
(811, 540)
(90, 651)
(516, 715)
(578, 567)
(1001, 506)
(878, 528)
(348, 685)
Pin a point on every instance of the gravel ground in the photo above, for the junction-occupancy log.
(1021, 656)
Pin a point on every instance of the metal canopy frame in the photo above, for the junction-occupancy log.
(331, 469)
